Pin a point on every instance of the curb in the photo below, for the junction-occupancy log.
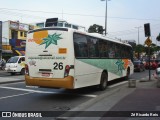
(14, 81)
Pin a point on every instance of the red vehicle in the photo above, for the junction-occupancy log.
(158, 62)
(153, 64)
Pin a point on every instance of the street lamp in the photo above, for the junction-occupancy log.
(138, 32)
(138, 40)
(106, 17)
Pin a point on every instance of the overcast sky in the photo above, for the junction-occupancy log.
(123, 15)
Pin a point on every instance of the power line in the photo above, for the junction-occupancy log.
(86, 15)
(8, 11)
(128, 32)
(19, 14)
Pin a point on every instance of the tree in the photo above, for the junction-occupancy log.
(96, 29)
(158, 38)
(153, 48)
(145, 49)
(139, 48)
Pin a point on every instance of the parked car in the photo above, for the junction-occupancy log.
(15, 65)
(139, 66)
(158, 62)
(153, 64)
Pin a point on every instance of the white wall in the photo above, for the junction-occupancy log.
(5, 33)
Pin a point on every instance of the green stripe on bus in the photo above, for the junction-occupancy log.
(115, 66)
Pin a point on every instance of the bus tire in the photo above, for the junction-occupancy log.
(127, 74)
(104, 81)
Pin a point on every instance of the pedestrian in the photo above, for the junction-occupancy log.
(3, 64)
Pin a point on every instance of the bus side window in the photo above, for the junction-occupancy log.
(111, 50)
(117, 51)
(126, 52)
(80, 45)
(93, 47)
(103, 48)
(76, 49)
(83, 52)
(123, 52)
(129, 52)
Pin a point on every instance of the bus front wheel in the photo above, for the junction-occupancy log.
(104, 81)
(127, 74)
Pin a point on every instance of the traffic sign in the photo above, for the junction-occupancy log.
(147, 30)
(148, 41)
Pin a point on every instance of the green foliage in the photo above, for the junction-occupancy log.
(153, 48)
(158, 38)
(96, 29)
(141, 48)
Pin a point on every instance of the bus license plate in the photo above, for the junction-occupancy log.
(45, 74)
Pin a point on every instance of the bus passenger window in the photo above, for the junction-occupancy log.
(124, 52)
(93, 47)
(103, 48)
(118, 51)
(83, 50)
(80, 45)
(111, 50)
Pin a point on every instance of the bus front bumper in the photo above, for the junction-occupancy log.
(67, 82)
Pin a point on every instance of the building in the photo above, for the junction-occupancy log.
(55, 22)
(14, 36)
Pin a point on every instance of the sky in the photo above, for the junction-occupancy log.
(124, 17)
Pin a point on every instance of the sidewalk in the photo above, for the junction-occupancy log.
(145, 97)
(143, 101)
(11, 79)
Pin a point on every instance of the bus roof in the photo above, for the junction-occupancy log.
(97, 35)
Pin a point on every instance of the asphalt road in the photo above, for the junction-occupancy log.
(18, 97)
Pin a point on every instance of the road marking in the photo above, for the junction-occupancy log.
(47, 92)
(88, 95)
(51, 92)
(14, 83)
(15, 95)
(27, 90)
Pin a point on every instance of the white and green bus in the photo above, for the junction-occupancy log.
(68, 58)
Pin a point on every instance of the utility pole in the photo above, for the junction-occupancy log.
(106, 17)
(138, 33)
(138, 40)
(148, 42)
